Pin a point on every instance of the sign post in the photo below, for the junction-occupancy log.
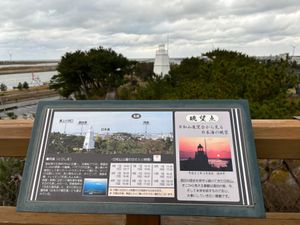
(143, 157)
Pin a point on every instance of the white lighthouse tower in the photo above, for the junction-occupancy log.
(161, 63)
(89, 142)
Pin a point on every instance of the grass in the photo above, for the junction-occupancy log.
(16, 95)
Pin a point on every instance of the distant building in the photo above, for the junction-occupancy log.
(296, 59)
(161, 63)
(89, 142)
(283, 56)
(175, 61)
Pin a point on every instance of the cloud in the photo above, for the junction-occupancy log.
(39, 29)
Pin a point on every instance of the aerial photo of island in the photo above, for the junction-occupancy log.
(95, 186)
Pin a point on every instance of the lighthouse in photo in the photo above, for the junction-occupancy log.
(89, 142)
(162, 62)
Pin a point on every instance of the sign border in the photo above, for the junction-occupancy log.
(257, 210)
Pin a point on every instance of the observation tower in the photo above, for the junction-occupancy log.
(161, 63)
(89, 142)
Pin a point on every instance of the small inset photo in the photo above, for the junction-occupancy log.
(205, 154)
(156, 158)
(94, 186)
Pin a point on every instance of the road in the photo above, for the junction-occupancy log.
(24, 108)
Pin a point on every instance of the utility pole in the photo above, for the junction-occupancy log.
(293, 51)
(10, 56)
(168, 43)
(146, 123)
(82, 123)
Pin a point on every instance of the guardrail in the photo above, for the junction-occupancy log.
(275, 139)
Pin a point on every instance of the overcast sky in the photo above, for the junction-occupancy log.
(46, 29)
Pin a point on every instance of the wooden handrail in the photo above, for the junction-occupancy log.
(276, 139)
(8, 215)
(271, 218)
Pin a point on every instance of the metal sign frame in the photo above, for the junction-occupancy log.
(173, 180)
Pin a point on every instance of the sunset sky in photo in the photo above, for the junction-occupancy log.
(216, 147)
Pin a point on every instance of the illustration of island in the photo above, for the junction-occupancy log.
(111, 133)
(205, 154)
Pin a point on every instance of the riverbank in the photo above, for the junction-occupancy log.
(13, 96)
(27, 69)
(23, 103)
(33, 79)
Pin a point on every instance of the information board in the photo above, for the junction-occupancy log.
(142, 157)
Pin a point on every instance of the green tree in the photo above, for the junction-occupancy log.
(10, 179)
(144, 70)
(90, 74)
(20, 86)
(3, 87)
(25, 85)
(229, 75)
(12, 115)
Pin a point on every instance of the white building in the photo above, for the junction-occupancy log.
(89, 142)
(161, 63)
(296, 58)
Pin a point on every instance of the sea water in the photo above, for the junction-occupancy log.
(218, 163)
(12, 80)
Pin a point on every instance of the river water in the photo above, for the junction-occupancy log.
(33, 79)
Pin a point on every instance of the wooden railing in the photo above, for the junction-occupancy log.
(275, 139)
